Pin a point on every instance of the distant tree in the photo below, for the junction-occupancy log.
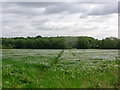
(83, 43)
(39, 42)
(19, 43)
(109, 43)
(38, 36)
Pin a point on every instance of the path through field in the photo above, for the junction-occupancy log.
(56, 60)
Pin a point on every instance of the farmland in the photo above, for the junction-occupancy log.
(56, 68)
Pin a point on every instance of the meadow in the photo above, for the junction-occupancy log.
(57, 68)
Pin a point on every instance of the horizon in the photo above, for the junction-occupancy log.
(57, 36)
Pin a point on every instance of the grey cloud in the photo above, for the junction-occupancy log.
(42, 27)
(103, 9)
(106, 9)
(86, 29)
(69, 7)
(100, 9)
(29, 8)
(21, 11)
(24, 18)
(37, 4)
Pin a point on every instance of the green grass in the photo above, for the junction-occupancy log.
(30, 68)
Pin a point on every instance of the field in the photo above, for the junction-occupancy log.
(70, 68)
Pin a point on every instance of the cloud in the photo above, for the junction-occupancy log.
(59, 18)
(59, 7)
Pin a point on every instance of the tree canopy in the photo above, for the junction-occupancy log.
(40, 42)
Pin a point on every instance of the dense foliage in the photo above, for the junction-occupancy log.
(39, 42)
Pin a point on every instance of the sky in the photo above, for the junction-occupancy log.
(94, 19)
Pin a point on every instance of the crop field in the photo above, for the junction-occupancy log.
(69, 68)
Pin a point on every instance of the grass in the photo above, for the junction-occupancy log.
(60, 68)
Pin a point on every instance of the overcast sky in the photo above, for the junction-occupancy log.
(23, 19)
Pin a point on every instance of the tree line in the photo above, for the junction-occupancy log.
(81, 42)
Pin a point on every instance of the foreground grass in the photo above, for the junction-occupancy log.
(60, 69)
